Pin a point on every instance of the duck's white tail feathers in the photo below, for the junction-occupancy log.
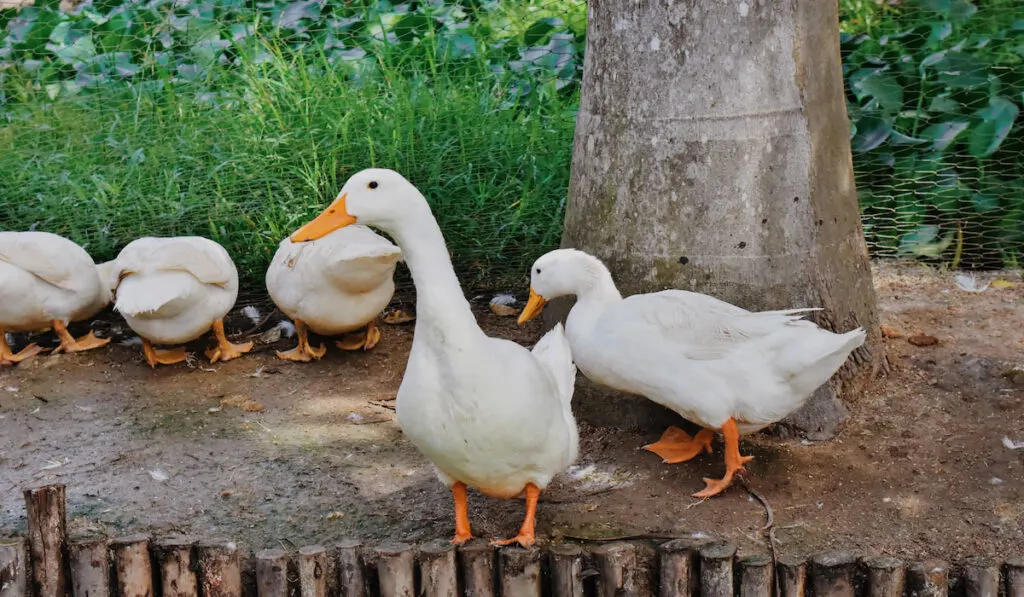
(816, 356)
(163, 293)
(555, 356)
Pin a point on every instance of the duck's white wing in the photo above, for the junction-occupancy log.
(204, 259)
(47, 261)
(701, 327)
(354, 244)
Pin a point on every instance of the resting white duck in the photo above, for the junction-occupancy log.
(47, 282)
(172, 291)
(720, 366)
(486, 412)
(336, 284)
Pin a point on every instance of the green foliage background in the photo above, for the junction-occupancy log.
(239, 120)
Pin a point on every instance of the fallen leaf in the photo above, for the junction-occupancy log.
(335, 515)
(1000, 284)
(889, 332)
(226, 494)
(251, 406)
(503, 310)
(234, 400)
(923, 340)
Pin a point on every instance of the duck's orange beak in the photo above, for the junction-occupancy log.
(533, 307)
(333, 218)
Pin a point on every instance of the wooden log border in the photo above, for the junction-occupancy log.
(46, 563)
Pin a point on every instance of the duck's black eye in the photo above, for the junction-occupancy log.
(373, 184)
(538, 270)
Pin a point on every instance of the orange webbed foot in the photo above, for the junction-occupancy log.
(523, 539)
(158, 356)
(677, 446)
(8, 358)
(733, 462)
(225, 350)
(365, 340)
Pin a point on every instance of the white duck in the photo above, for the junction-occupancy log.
(173, 290)
(486, 412)
(336, 284)
(47, 282)
(715, 364)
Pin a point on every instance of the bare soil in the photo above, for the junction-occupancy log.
(273, 453)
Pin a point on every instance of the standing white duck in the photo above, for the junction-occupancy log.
(173, 290)
(47, 282)
(486, 412)
(335, 284)
(720, 366)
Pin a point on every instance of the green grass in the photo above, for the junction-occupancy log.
(240, 121)
(266, 151)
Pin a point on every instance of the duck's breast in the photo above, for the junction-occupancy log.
(494, 423)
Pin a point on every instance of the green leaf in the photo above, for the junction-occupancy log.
(80, 51)
(410, 26)
(924, 243)
(537, 32)
(997, 120)
(872, 131)
(943, 134)
(960, 11)
(940, 6)
(984, 203)
(959, 70)
(943, 104)
(884, 88)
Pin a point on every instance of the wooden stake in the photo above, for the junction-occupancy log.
(792, 576)
(47, 538)
(928, 579)
(317, 577)
(885, 576)
(351, 580)
(220, 572)
(173, 556)
(716, 569)
(1014, 576)
(13, 570)
(566, 568)
(678, 576)
(616, 565)
(981, 577)
(396, 570)
(132, 568)
(520, 572)
(756, 578)
(89, 563)
(272, 573)
(832, 574)
(476, 561)
(438, 574)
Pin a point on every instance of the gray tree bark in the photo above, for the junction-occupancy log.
(712, 154)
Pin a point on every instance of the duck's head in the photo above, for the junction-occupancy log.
(374, 197)
(110, 277)
(561, 272)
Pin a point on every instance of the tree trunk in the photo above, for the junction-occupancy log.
(712, 154)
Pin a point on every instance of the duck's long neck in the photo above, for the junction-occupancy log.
(599, 288)
(595, 292)
(439, 298)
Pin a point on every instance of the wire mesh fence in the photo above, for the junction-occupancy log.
(239, 120)
(934, 90)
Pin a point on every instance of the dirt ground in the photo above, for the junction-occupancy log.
(921, 468)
